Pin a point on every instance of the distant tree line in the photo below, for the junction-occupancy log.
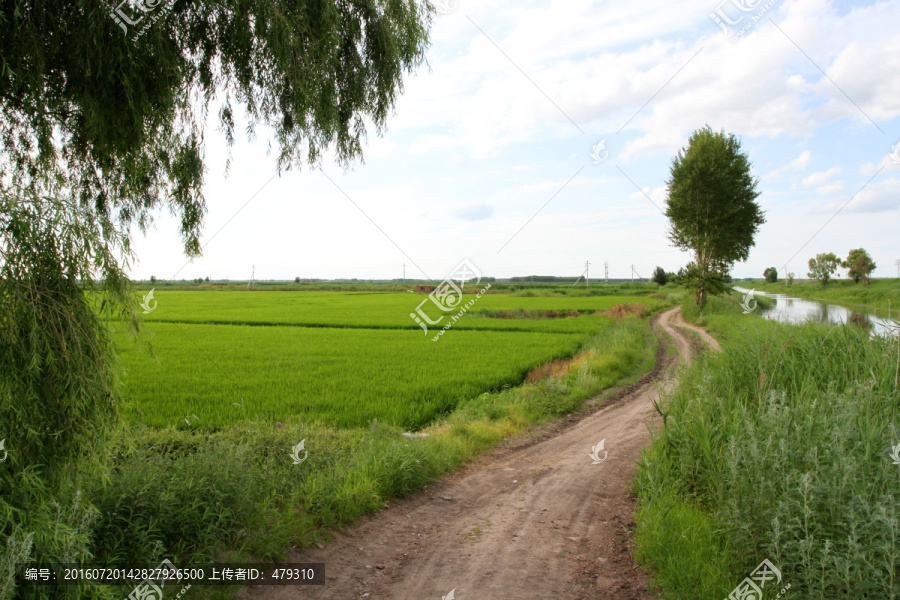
(542, 279)
(822, 267)
(858, 263)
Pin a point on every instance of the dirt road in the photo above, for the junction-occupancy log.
(535, 520)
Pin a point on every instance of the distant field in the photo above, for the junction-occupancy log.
(372, 310)
(227, 374)
(226, 358)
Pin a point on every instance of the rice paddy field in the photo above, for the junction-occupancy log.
(373, 310)
(242, 358)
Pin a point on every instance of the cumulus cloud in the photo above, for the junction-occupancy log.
(798, 164)
(877, 197)
(891, 162)
(655, 69)
(822, 181)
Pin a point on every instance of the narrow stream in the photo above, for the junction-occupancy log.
(797, 310)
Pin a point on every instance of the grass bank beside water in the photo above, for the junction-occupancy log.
(777, 447)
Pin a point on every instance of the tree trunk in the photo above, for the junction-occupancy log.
(703, 270)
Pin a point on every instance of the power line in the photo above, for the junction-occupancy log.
(633, 273)
(580, 276)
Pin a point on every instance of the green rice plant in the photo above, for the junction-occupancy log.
(214, 376)
(372, 310)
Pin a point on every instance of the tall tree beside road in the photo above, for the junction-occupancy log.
(712, 208)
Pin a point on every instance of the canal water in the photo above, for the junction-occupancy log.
(799, 310)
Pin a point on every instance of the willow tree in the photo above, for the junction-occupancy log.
(712, 208)
(103, 109)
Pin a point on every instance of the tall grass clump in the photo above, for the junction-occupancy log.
(777, 448)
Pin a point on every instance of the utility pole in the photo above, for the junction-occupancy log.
(606, 273)
(632, 273)
(252, 277)
(404, 273)
(587, 277)
(897, 262)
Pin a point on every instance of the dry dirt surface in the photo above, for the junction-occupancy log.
(536, 519)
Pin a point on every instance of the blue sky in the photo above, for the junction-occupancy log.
(488, 155)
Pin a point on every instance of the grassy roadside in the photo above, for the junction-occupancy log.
(857, 296)
(236, 494)
(776, 448)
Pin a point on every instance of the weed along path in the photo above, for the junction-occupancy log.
(548, 517)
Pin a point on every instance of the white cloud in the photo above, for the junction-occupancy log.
(798, 164)
(820, 178)
(867, 74)
(890, 162)
(600, 64)
(877, 197)
(831, 188)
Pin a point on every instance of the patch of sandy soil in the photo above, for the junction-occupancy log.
(534, 519)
